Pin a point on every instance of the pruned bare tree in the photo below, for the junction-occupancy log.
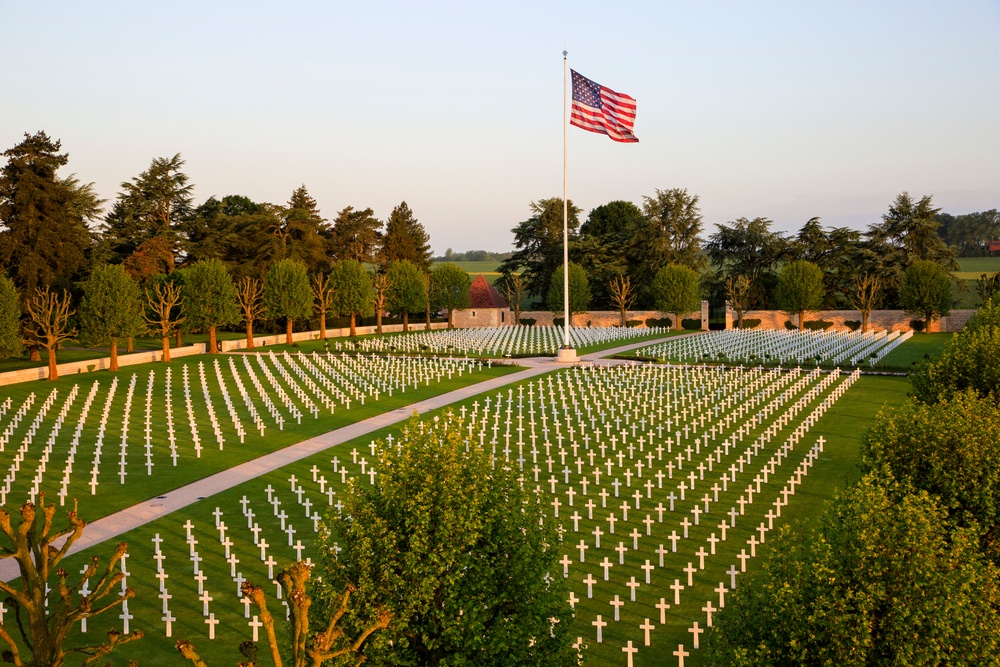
(49, 315)
(866, 297)
(739, 292)
(513, 291)
(250, 295)
(380, 283)
(622, 296)
(323, 293)
(32, 544)
(163, 320)
(330, 644)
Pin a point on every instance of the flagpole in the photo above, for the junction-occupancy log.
(568, 355)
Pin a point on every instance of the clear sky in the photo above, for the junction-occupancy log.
(786, 110)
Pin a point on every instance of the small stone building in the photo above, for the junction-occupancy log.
(488, 309)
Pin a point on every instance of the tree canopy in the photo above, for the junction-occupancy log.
(579, 290)
(458, 551)
(209, 298)
(676, 290)
(11, 344)
(450, 288)
(926, 290)
(749, 248)
(406, 292)
(43, 226)
(355, 235)
(799, 289)
(539, 243)
(287, 293)
(405, 239)
(112, 308)
(353, 294)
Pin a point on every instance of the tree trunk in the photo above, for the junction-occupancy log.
(451, 320)
(34, 354)
(802, 321)
(130, 345)
(177, 337)
(378, 321)
(677, 321)
(354, 331)
(53, 368)
(927, 322)
(211, 340)
(864, 322)
(249, 335)
(406, 321)
(739, 319)
(322, 325)
(622, 314)
(427, 318)
(288, 332)
(114, 353)
(166, 349)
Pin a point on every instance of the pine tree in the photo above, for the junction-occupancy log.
(303, 232)
(406, 239)
(44, 239)
(355, 235)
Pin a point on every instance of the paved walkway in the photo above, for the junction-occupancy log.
(150, 510)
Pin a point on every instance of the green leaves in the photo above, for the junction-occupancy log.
(800, 288)
(287, 293)
(210, 296)
(406, 293)
(579, 290)
(112, 305)
(926, 290)
(352, 289)
(451, 542)
(676, 290)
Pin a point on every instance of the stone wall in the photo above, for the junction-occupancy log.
(469, 318)
(609, 318)
(889, 320)
(279, 339)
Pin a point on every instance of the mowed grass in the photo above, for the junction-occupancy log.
(73, 350)
(139, 485)
(918, 347)
(841, 427)
(973, 267)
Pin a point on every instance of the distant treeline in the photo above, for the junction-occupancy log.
(472, 256)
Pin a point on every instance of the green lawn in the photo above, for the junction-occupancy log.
(972, 267)
(841, 427)
(916, 348)
(111, 495)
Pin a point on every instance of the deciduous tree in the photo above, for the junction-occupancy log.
(301, 232)
(539, 243)
(163, 302)
(405, 293)
(579, 290)
(799, 289)
(866, 296)
(250, 296)
(450, 288)
(48, 324)
(353, 293)
(287, 294)
(322, 300)
(676, 290)
(926, 291)
(883, 581)
(380, 297)
(44, 622)
(740, 296)
(112, 308)
(512, 287)
(457, 550)
(670, 233)
(622, 296)
(210, 299)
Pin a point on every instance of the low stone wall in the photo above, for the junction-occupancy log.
(145, 357)
(77, 367)
(611, 318)
(889, 320)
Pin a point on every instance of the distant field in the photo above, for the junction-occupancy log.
(475, 268)
(972, 267)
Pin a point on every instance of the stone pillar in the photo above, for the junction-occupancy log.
(704, 315)
(729, 316)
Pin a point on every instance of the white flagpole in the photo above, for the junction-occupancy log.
(566, 320)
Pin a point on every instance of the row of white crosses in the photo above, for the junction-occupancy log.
(498, 341)
(755, 345)
(299, 382)
(22, 450)
(604, 401)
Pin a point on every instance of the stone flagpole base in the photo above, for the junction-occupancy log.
(567, 355)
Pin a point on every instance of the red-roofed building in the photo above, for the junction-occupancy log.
(993, 246)
(488, 309)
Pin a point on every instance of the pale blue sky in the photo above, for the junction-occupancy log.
(780, 109)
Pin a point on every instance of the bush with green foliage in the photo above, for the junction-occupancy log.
(818, 325)
(455, 548)
(210, 299)
(749, 323)
(659, 322)
(692, 324)
(883, 581)
(970, 360)
(853, 325)
(987, 317)
(450, 288)
(949, 449)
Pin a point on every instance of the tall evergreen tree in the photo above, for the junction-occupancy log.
(302, 232)
(355, 235)
(157, 202)
(748, 248)
(44, 236)
(405, 239)
(11, 344)
(539, 243)
(670, 232)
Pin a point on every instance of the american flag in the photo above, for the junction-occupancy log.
(597, 108)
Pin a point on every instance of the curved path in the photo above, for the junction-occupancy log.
(124, 520)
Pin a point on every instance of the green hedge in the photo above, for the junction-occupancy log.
(528, 321)
(691, 325)
(749, 324)
(632, 323)
(853, 325)
(659, 322)
(818, 325)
